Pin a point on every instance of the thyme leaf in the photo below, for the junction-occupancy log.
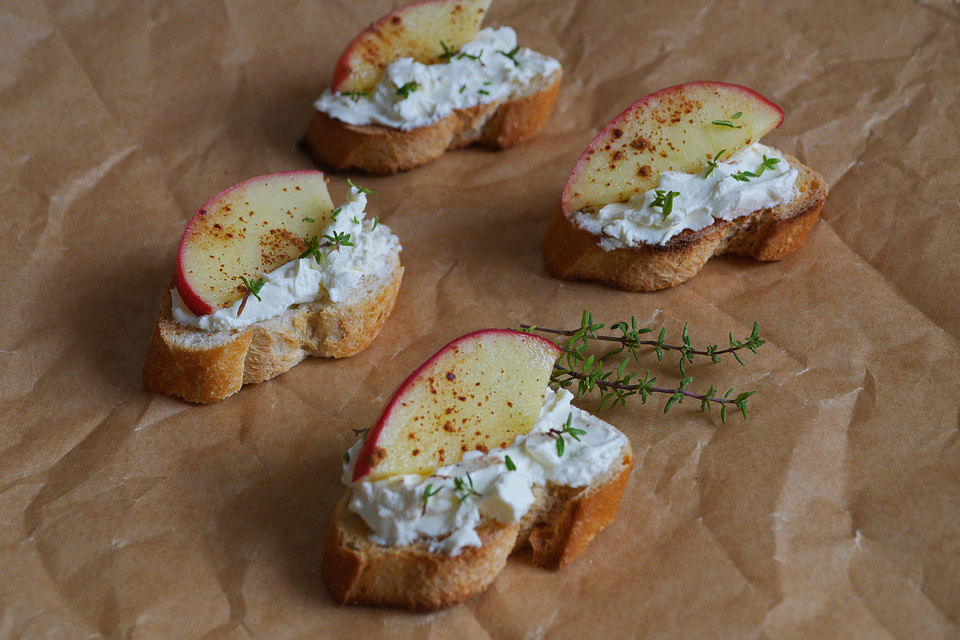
(368, 192)
(712, 164)
(408, 88)
(664, 200)
(511, 55)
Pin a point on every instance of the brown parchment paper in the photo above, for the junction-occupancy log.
(834, 512)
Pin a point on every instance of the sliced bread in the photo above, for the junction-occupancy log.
(203, 367)
(559, 525)
(572, 253)
(386, 150)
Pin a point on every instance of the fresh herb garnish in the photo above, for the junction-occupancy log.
(346, 457)
(743, 176)
(510, 466)
(355, 95)
(463, 88)
(376, 222)
(355, 221)
(664, 200)
(408, 88)
(336, 213)
(589, 371)
(339, 239)
(463, 55)
(313, 248)
(464, 488)
(309, 220)
(511, 55)
(427, 494)
(484, 92)
(360, 189)
(253, 286)
(572, 431)
(712, 164)
(724, 123)
(448, 51)
(737, 114)
(768, 163)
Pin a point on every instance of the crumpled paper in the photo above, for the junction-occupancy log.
(832, 513)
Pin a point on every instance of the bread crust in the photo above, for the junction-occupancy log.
(387, 150)
(198, 367)
(558, 527)
(572, 253)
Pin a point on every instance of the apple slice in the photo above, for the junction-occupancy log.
(414, 31)
(674, 129)
(479, 392)
(248, 230)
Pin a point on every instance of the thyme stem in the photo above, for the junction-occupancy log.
(627, 342)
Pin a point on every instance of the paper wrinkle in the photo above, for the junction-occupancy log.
(68, 193)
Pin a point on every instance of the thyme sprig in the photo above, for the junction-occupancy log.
(589, 371)
(313, 248)
(573, 432)
(448, 52)
(427, 494)
(464, 488)
(712, 164)
(338, 239)
(768, 163)
(368, 192)
(252, 288)
(355, 95)
(511, 55)
(664, 200)
(408, 88)
(464, 54)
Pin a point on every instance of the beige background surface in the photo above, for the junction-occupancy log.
(833, 513)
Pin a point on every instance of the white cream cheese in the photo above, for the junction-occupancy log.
(333, 277)
(479, 73)
(395, 510)
(702, 199)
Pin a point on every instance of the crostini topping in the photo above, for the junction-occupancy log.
(330, 268)
(411, 94)
(445, 508)
(754, 178)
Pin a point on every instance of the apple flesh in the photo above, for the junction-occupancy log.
(248, 230)
(414, 31)
(477, 393)
(671, 130)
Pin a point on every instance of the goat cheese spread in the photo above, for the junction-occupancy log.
(397, 512)
(411, 94)
(334, 277)
(703, 198)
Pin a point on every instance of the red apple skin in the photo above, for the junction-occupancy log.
(193, 301)
(387, 27)
(607, 132)
(363, 465)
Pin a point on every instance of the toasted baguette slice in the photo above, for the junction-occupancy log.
(572, 253)
(206, 367)
(558, 526)
(385, 150)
